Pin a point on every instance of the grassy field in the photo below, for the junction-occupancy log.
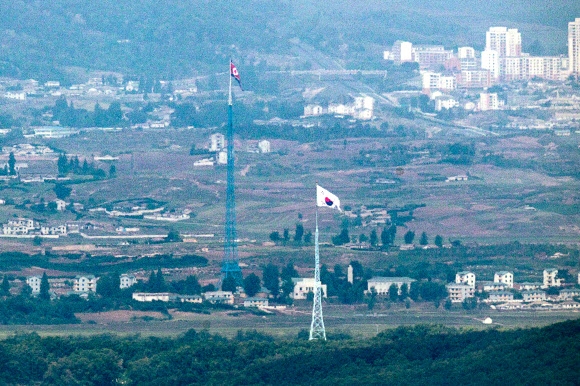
(357, 322)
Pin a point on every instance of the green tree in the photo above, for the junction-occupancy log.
(112, 171)
(275, 236)
(374, 238)
(37, 240)
(439, 241)
(252, 284)
(409, 237)
(229, 284)
(109, 285)
(299, 232)
(286, 235)
(363, 238)
(62, 191)
(12, 164)
(271, 277)
(342, 238)
(160, 281)
(393, 292)
(404, 291)
(308, 237)
(173, 236)
(44, 288)
(5, 286)
(424, 240)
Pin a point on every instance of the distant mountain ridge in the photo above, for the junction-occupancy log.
(170, 39)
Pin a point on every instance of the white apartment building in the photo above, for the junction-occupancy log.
(19, 226)
(84, 284)
(221, 297)
(506, 42)
(53, 230)
(551, 278)
(216, 142)
(490, 61)
(126, 281)
(34, 283)
(534, 296)
(488, 101)
(459, 292)
(302, 286)
(152, 296)
(504, 277)
(465, 277)
(574, 46)
(429, 56)
(465, 52)
(438, 81)
(402, 52)
(381, 284)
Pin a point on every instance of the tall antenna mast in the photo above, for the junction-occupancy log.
(317, 326)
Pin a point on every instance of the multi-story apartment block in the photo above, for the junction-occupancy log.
(574, 46)
(302, 286)
(84, 284)
(126, 281)
(506, 42)
(534, 296)
(34, 283)
(551, 278)
(465, 277)
(402, 52)
(381, 284)
(216, 142)
(490, 61)
(504, 277)
(459, 292)
(473, 79)
(431, 56)
(488, 101)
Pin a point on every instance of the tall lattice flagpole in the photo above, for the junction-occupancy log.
(317, 326)
(230, 265)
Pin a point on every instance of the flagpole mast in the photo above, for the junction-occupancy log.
(317, 330)
(230, 94)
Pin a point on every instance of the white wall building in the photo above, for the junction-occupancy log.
(507, 42)
(302, 286)
(458, 292)
(264, 146)
(34, 283)
(221, 297)
(216, 142)
(574, 46)
(465, 277)
(85, 284)
(153, 296)
(490, 61)
(402, 52)
(534, 296)
(465, 52)
(504, 277)
(551, 278)
(126, 281)
(488, 101)
(382, 284)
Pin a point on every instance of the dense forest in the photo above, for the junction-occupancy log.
(420, 355)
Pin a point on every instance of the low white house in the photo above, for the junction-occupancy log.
(53, 230)
(458, 292)
(127, 280)
(221, 297)
(465, 277)
(256, 302)
(85, 284)
(382, 284)
(569, 294)
(153, 296)
(302, 286)
(264, 146)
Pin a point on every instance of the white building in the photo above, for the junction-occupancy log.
(465, 52)
(264, 146)
(488, 101)
(53, 230)
(500, 296)
(256, 302)
(569, 294)
(551, 278)
(506, 42)
(84, 284)
(153, 296)
(126, 281)
(381, 284)
(302, 286)
(445, 102)
(504, 277)
(490, 62)
(313, 110)
(459, 292)
(574, 46)
(60, 205)
(19, 226)
(465, 277)
(219, 297)
(34, 283)
(222, 157)
(534, 296)
(216, 142)
(402, 52)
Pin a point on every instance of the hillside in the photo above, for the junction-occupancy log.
(170, 39)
